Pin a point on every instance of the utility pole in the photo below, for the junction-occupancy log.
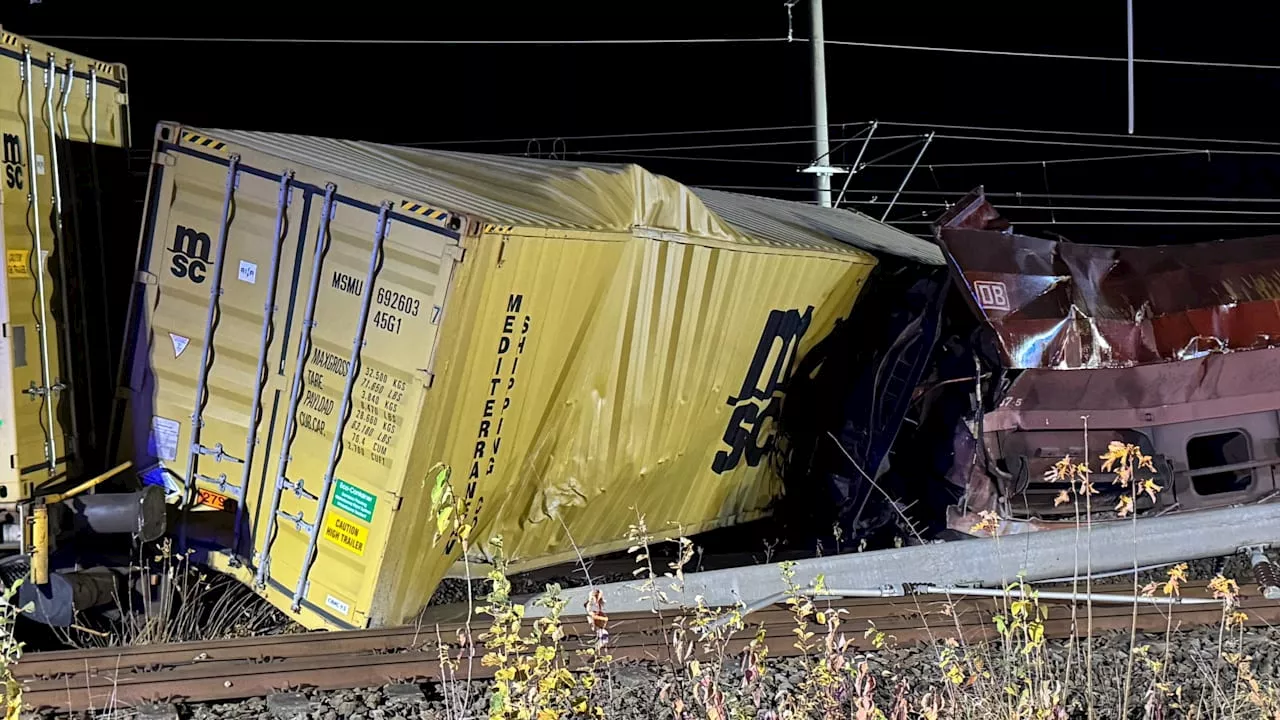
(1130, 59)
(821, 138)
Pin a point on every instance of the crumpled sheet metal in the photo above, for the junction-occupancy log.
(1060, 305)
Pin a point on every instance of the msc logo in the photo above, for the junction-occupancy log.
(190, 254)
(758, 403)
(12, 162)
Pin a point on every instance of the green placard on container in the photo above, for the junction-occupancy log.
(352, 500)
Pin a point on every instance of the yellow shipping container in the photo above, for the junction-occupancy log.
(343, 320)
(52, 103)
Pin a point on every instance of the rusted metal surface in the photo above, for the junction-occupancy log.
(1212, 386)
(1061, 305)
(1042, 418)
(76, 681)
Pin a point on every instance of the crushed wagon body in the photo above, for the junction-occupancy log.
(322, 329)
(1173, 349)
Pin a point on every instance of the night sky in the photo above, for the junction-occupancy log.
(432, 94)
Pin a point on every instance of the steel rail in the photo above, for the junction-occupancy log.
(107, 678)
(885, 611)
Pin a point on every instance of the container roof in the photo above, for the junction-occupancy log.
(527, 192)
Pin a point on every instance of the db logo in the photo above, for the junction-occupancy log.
(991, 295)
(190, 254)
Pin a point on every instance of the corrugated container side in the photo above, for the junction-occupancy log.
(87, 104)
(581, 377)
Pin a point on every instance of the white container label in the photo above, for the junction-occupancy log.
(248, 272)
(336, 604)
(164, 438)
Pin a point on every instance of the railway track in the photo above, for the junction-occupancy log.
(108, 678)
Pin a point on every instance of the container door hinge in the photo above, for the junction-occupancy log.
(396, 501)
(142, 277)
(455, 253)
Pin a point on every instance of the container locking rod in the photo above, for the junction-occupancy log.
(206, 353)
(264, 338)
(295, 395)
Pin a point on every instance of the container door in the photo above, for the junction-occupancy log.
(32, 226)
(221, 254)
(369, 301)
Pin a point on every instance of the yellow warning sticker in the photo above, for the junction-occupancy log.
(16, 260)
(347, 534)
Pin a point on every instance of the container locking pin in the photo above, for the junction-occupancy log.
(217, 451)
(224, 487)
(298, 488)
(298, 522)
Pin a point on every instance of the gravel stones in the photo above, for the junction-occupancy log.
(159, 711)
(289, 706)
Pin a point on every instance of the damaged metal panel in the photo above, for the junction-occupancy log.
(1059, 305)
(1209, 387)
(1209, 423)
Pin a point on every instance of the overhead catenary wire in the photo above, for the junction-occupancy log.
(226, 39)
(721, 146)
(1105, 146)
(1052, 56)
(1123, 223)
(690, 158)
(1081, 208)
(847, 125)
(1053, 161)
(640, 153)
(1141, 151)
(619, 136)
(655, 41)
(1064, 196)
(1077, 133)
(919, 140)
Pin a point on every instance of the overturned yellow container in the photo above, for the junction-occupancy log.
(337, 321)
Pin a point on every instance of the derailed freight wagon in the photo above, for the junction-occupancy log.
(1170, 348)
(64, 126)
(322, 326)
